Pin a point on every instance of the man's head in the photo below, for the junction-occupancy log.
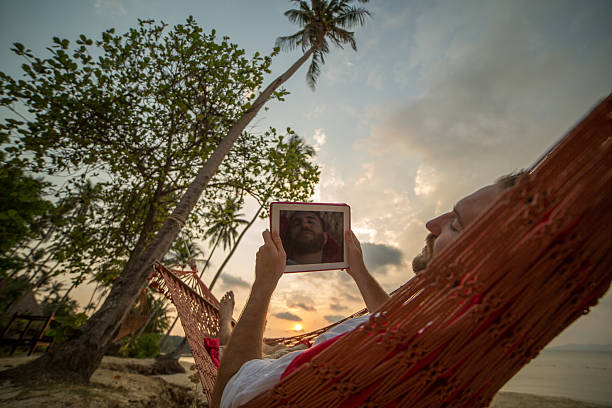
(445, 228)
(307, 232)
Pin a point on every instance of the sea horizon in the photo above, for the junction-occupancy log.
(576, 374)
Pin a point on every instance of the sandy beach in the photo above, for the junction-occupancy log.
(122, 382)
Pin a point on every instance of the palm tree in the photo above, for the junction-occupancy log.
(323, 21)
(184, 252)
(295, 145)
(76, 359)
(226, 222)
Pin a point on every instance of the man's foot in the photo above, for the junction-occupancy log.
(227, 306)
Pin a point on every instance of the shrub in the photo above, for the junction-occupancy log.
(146, 346)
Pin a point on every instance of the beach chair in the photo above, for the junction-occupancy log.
(453, 335)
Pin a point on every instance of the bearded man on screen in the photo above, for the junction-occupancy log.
(307, 241)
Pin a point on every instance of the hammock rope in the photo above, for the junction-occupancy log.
(535, 262)
(198, 310)
(538, 259)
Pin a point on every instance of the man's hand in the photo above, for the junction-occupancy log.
(270, 261)
(373, 294)
(354, 255)
(246, 341)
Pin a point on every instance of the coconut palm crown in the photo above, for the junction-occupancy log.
(322, 21)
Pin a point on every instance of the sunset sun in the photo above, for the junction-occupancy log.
(298, 327)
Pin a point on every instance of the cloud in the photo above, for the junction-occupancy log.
(337, 307)
(234, 281)
(425, 181)
(319, 138)
(495, 93)
(333, 318)
(350, 297)
(288, 316)
(377, 256)
(113, 6)
(297, 300)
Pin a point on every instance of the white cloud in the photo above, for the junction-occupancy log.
(425, 181)
(494, 97)
(368, 173)
(315, 113)
(319, 138)
(112, 6)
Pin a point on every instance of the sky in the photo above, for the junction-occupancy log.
(441, 98)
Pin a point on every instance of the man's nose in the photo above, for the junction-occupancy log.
(435, 225)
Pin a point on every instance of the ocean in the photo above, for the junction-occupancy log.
(579, 375)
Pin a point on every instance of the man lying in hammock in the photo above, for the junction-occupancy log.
(244, 374)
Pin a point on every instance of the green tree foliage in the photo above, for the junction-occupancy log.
(22, 208)
(66, 325)
(145, 346)
(122, 118)
(127, 131)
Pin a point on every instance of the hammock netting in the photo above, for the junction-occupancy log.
(199, 313)
(198, 309)
(453, 335)
(137, 318)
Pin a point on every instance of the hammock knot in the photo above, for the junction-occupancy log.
(279, 393)
(344, 389)
(325, 371)
(392, 339)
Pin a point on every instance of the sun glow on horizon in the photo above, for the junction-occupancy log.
(298, 327)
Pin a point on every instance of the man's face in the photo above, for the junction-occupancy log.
(445, 228)
(306, 232)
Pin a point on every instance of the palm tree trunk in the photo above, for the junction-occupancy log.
(61, 302)
(209, 256)
(93, 293)
(227, 258)
(77, 359)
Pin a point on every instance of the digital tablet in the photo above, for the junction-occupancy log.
(312, 234)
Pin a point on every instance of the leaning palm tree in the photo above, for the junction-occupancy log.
(321, 22)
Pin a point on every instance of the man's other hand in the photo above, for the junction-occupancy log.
(270, 261)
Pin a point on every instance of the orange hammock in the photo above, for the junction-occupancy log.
(198, 310)
(538, 259)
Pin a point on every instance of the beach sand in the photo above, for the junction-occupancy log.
(119, 383)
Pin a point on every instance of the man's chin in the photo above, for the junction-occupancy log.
(419, 263)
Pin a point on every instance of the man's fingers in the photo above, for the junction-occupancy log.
(267, 237)
(355, 240)
(278, 242)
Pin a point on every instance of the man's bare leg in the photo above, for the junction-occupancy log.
(246, 340)
(225, 317)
